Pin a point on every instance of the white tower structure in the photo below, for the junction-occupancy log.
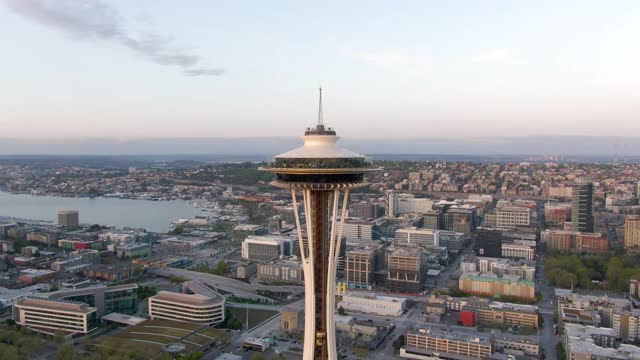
(321, 171)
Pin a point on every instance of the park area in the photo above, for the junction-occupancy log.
(153, 335)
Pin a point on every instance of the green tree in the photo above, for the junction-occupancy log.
(65, 352)
(341, 311)
(58, 337)
(257, 356)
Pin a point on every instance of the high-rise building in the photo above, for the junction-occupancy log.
(434, 219)
(68, 218)
(321, 170)
(363, 210)
(392, 203)
(361, 264)
(582, 206)
(632, 231)
(406, 270)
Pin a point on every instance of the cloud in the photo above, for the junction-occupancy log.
(394, 58)
(499, 57)
(93, 20)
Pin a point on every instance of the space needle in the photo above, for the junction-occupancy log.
(324, 173)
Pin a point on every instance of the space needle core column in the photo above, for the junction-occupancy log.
(321, 171)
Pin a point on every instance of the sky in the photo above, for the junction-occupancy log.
(126, 69)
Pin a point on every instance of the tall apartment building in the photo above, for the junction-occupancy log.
(437, 343)
(268, 247)
(406, 270)
(512, 217)
(360, 266)
(51, 316)
(632, 231)
(392, 203)
(416, 237)
(197, 304)
(363, 210)
(582, 206)
(68, 218)
(626, 325)
(575, 242)
(434, 220)
(494, 285)
(357, 230)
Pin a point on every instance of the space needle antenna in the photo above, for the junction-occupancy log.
(320, 119)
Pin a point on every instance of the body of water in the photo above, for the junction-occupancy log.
(154, 216)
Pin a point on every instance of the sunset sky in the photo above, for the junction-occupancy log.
(199, 68)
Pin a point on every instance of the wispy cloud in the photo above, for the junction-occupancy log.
(394, 58)
(93, 20)
(503, 56)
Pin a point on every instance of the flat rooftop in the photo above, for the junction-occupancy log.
(61, 305)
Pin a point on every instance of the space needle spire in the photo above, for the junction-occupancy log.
(320, 117)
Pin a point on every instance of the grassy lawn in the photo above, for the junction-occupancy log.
(256, 316)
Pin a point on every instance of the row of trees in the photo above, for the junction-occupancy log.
(589, 272)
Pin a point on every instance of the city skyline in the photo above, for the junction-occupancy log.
(117, 69)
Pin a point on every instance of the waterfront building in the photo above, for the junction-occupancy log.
(321, 170)
(68, 218)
